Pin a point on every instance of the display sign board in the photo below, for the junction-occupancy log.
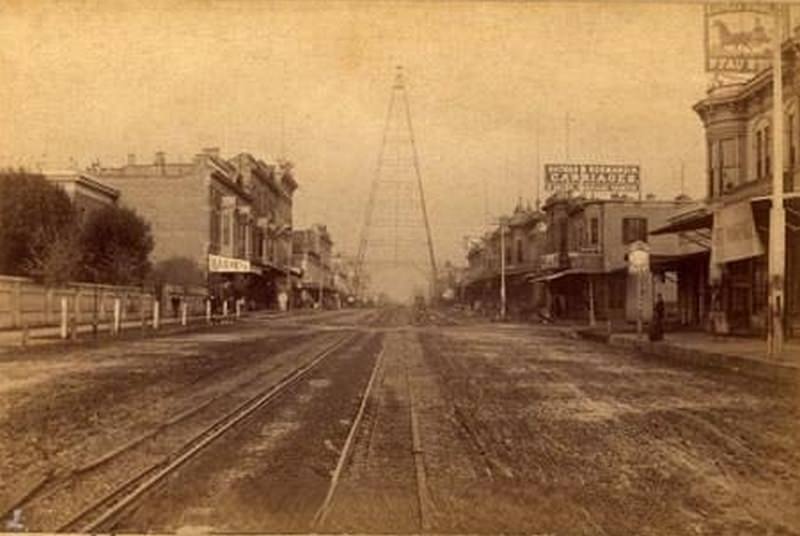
(638, 257)
(734, 235)
(218, 263)
(584, 178)
(738, 37)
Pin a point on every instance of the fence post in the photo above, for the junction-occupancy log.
(48, 306)
(225, 309)
(77, 306)
(64, 316)
(208, 311)
(16, 307)
(184, 307)
(25, 334)
(156, 313)
(117, 324)
(238, 309)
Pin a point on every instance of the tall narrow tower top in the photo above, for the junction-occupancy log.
(399, 82)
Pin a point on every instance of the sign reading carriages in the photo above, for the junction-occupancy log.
(738, 37)
(583, 178)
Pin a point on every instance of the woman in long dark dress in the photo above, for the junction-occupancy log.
(657, 324)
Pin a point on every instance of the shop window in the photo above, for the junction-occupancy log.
(634, 229)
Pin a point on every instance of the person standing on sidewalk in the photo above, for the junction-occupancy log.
(657, 324)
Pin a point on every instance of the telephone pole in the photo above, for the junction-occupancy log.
(777, 218)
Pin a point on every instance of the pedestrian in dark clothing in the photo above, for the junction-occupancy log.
(657, 324)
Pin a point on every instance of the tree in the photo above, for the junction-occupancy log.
(179, 271)
(55, 257)
(33, 212)
(116, 244)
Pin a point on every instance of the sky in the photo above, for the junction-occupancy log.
(492, 88)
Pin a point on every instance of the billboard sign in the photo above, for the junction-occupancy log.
(738, 37)
(584, 178)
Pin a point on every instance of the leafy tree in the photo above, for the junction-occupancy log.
(116, 244)
(55, 257)
(33, 212)
(179, 271)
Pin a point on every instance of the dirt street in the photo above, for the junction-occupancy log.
(468, 427)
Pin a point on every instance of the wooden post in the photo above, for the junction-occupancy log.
(117, 326)
(225, 308)
(156, 313)
(238, 308)
(16, 304)
(64, 316)
(184, 307)
(208, 311)
(639, 305)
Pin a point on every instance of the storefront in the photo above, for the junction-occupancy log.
(231, 279)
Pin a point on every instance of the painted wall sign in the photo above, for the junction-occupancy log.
(218, 263)
(592, 178)
(738, 37)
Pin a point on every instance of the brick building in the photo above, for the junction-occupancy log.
(217, 214)
(86, 192)
(311, 253)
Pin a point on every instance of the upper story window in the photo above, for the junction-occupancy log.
(729, 163)
(226, 229)
(634, 229)
(594, 231)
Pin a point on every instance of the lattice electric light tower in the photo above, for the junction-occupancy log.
(396, 225)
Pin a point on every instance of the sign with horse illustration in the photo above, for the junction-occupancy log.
(738, 37)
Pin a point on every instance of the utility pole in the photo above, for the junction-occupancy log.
(502, 268)
(777, 220)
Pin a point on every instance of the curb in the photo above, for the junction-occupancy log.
(756, 368)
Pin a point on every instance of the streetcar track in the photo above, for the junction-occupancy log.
(56, 479)
(425, 506)
(85, 521)
(324, 509)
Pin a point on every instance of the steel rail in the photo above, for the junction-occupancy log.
(104, 511)
(56, 479)
(324, 510)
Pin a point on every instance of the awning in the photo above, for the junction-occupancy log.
(562, 273)
(671, 262)
(698, 218)
(791, 203)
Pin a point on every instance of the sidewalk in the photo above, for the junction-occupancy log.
(735, 354)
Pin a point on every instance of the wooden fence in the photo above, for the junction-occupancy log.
(23, 302)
